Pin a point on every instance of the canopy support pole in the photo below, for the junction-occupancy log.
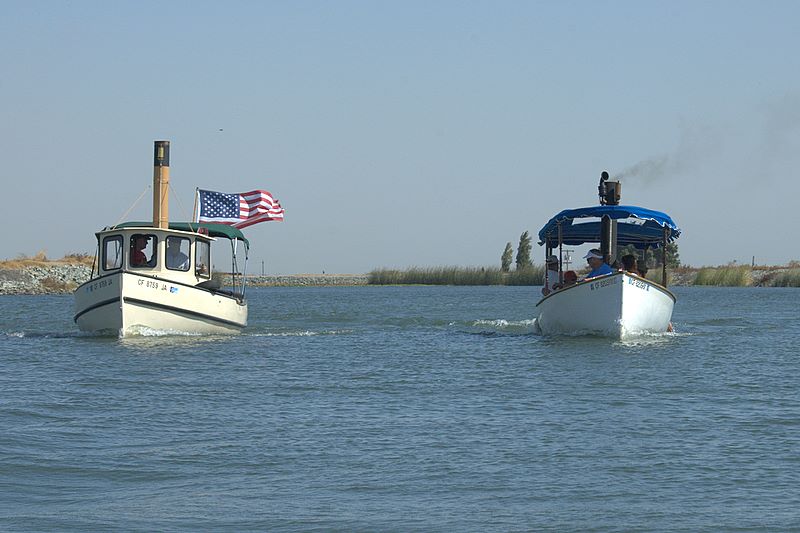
(664, 258)
(547, 251)
(608, 239)
(560, 255)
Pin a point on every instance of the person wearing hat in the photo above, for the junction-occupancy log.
(551, 276)
(596, 262)
(138, 257)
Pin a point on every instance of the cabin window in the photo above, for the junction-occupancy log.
(177, 253)
(143, 250)
(112, 252)
(202, 259)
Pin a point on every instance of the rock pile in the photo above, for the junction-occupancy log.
(50, 279)
(308, 280)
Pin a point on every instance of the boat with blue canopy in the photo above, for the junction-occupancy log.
(619, 304)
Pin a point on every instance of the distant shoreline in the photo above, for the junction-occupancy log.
(307, 280)
(63, 278)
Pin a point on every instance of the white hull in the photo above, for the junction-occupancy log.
(618, 306)
(126, 303)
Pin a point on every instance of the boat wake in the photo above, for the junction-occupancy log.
(306, 333)
(498, 326)
(43, 335)
(144, 331)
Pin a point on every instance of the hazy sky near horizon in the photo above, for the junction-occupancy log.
(404, 133)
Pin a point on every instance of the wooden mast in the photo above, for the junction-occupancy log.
(161, 185)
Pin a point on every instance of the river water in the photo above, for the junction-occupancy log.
(404, 409)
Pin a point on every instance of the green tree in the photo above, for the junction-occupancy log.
(524, 251)
(505, 259)
(632, 250)
(653, 257)
(673, 258)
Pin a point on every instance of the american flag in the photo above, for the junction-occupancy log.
(238, 210)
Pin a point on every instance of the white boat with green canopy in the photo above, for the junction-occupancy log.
(157, 277)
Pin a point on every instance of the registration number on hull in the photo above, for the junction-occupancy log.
(639, 284)
(150, 284)
(599, 284)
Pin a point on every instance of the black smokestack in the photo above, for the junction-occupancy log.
(609, 191)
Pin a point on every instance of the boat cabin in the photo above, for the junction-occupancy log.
(181, 254)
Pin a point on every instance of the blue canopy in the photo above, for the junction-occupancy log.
(638, 226)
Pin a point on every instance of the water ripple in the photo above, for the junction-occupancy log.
(424, 408)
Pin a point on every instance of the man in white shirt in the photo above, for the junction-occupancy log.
(176, 259)
(551, 276)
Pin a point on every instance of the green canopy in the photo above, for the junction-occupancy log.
(214, 230)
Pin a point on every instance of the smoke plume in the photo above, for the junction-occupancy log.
(652, 169)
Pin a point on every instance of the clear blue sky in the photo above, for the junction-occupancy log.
(404, 133)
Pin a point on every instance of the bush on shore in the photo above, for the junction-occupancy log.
(727, 276)
(789, 278)
(41, 259)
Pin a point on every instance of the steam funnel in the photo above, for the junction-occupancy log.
(161, 185)
(609, 191)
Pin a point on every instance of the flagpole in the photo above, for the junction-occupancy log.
(195, 218)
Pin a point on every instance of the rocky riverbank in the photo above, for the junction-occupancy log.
(308, 280)
(59, 278)
(44, 279)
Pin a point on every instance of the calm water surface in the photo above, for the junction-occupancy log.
(404, 409)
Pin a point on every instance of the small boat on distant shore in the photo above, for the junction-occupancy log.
(159, 276)
(619, 304)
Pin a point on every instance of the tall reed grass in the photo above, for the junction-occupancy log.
(788, 278)
(727, 276)
(456, 276)
(657, 276)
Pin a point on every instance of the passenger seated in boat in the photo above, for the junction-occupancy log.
(629, 263)
(138, 258)
(598, 265)
(176, 259)
(570, 278)
(642, 268)
(551, 282)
